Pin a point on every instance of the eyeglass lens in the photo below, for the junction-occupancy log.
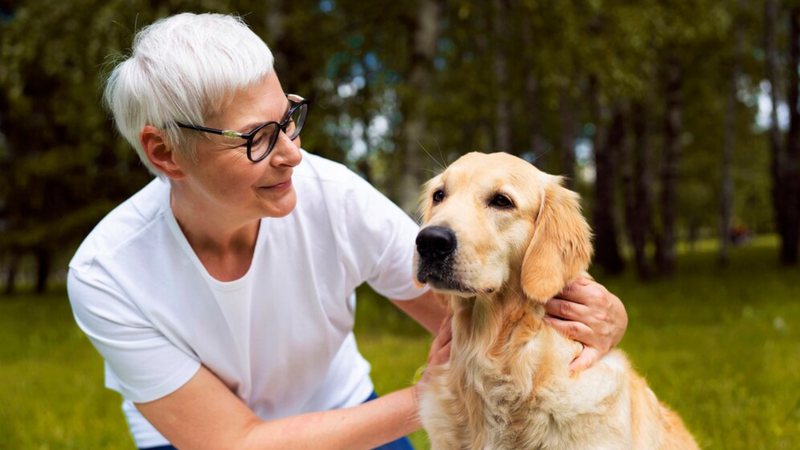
(265, 138)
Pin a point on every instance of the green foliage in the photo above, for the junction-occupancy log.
(65, 168)
(65, 165)
(720, 346)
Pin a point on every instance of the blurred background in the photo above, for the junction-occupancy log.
(677, 121)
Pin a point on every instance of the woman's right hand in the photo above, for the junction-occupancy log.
(439, 352)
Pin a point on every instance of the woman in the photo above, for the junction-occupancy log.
(221, 295)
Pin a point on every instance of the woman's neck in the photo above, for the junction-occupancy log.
(224, 246)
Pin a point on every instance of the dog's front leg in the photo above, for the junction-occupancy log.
(442, 412)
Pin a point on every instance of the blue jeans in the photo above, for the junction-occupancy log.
(401, 444)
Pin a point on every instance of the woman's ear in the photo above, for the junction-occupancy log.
(159, 153)
(561, 247)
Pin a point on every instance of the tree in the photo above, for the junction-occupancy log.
(636, 188)
(788, 166)
(729, 141)
(607, 253)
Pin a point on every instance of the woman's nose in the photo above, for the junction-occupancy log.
(286, 151)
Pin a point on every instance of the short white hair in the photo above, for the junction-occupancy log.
(183, 68)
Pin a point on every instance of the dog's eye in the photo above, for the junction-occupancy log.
(501, 201)
(438, 196)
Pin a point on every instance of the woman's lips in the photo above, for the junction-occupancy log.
(279, 186)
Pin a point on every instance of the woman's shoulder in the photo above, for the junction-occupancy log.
(128, 221)
(325, 171)
(318, 176)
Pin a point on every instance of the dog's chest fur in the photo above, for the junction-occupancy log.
(512, 390)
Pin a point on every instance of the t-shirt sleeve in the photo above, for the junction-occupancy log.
(143, 364)
(381, 238)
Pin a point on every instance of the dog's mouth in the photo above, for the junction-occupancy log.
(438, 263)
(444, 285)
(442, 279)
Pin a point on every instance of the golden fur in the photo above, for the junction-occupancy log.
(507, 384)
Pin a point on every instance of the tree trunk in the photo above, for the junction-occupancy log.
(728, 145)
(535, 139)
(636, 187)
(776, 165)
(607, 253)
(791, 164)
(419, 82)
(673, 128)
(502, 109)
(532, 93)
(569, 132)
(43, 259)
(11, 275)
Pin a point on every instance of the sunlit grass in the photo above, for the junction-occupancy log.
(52, 394)
(721, 346)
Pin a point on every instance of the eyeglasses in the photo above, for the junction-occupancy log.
(261, 140)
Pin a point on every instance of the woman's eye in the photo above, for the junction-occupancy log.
(438, 196)
(257, 141)
(501, 201)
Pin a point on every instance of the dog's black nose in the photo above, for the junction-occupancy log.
(436, 242)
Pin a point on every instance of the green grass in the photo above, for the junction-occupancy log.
(721, 346)
(52, 394)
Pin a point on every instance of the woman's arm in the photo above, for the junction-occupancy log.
(429, 310)
(204, 413)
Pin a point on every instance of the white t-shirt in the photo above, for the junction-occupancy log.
(281, 336)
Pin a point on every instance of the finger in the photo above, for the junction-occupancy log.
(588, 356)
(443, 355)
(580, 281)
(439, 355)
(585, 292)
(571, 329)
(441, 339)
(446, 325)
(566, 309)
(445, 333)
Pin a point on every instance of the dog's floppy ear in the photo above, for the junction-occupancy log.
(561, 245)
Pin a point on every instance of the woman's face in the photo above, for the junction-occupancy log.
(223, 178)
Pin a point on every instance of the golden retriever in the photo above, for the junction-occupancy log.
(499, 239)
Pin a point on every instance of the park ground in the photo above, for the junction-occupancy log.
(721, 346)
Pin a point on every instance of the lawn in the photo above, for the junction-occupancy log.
(721, 346)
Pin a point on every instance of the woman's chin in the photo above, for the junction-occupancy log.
(281, 206)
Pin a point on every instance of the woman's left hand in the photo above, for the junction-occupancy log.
(587, 312)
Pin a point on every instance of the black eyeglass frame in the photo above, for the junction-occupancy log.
(296, 103)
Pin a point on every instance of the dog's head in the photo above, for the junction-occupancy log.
(494, 219)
